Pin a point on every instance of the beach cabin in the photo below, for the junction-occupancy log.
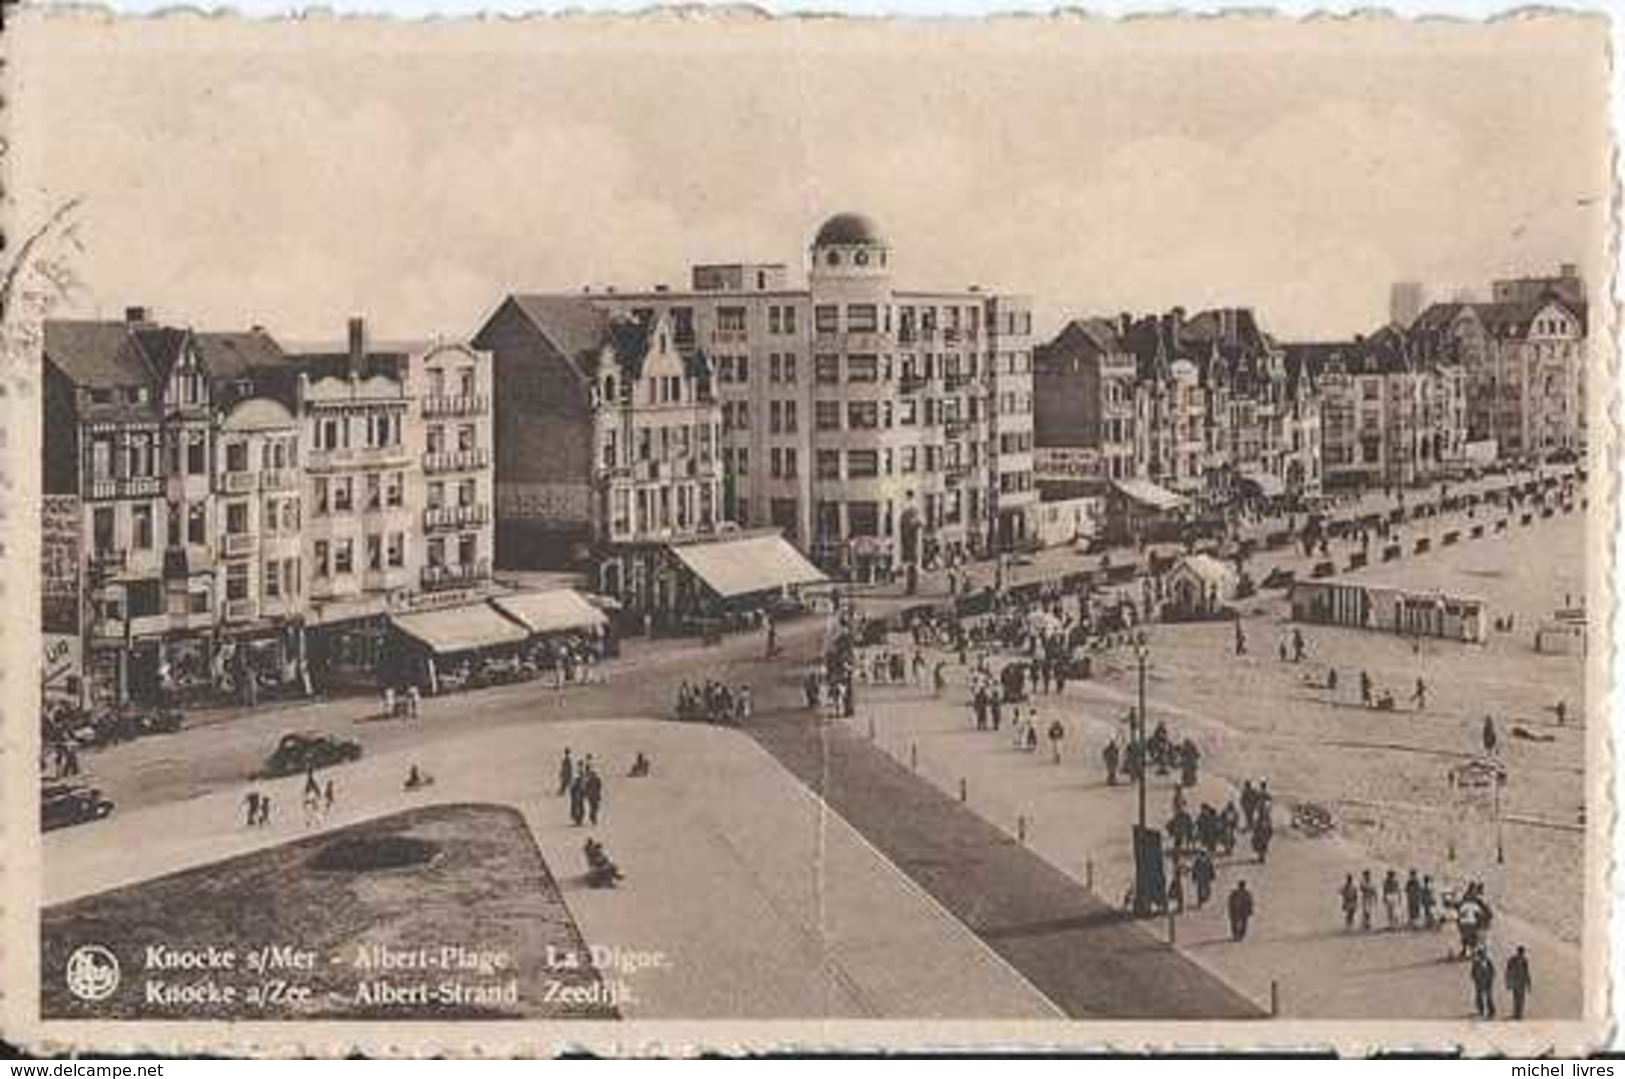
(1198, 586)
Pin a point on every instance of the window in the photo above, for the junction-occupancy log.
(827, 415)
(343, 494)
(141, 526)
(465, 493)
(197, 524)
(323, 558)
(397, 549)
(862, 519)
(775, 421)
(826, 318)
(790, 463)
(731, 319)
(829, 464)
(394, 488)
(437, 551)
(861, 317)
(102, 528)
(322, 503)
(436, 495)
(863, 414)
(236, 518)
(197, 457)
(465, 381)
(789, 320)
(273, 579)
(862, 464)
(197, 602)
(237, 457)
(468, 547)
(435, 439)
(827, 368)
(375, 490)
(862, 369)
(237, 581)
(789, 367)
(343, 556)
(789, 417)
(375, 552)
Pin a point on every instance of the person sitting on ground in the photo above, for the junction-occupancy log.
(640, 766)
(417, 778)
(601, 871)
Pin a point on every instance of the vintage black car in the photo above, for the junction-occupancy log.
(65, 804)
(306, 750)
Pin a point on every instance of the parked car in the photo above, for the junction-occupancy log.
(65, 804)
(305, 750)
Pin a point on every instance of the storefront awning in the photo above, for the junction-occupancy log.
(553, 611)
(460, 629)
(1267, 485)
(740, 567)
(1149, 494)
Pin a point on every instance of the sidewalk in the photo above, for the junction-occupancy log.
(1081, 827)
(764, 904)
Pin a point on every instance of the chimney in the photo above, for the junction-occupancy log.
(1125, 323)
(135, 314)
(358, 346)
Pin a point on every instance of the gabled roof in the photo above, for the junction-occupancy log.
(575, 326)
(162, 346)
(228, 355)
(96, 353)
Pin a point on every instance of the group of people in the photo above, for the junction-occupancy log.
(1161, 751)
(1411, 905)
(579, 779)
(713, 702)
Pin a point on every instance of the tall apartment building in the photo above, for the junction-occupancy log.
(220, 508)
(872, 426)
(1390, 416)
(1525, 359)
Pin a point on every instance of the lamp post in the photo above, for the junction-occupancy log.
(1148, 876)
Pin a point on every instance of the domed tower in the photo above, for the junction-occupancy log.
(849, 246)
(855, 488)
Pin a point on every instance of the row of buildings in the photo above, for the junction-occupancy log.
(219, 509)
(218, 505)
(1210, 406)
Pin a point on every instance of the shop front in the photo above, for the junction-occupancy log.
(442, 650)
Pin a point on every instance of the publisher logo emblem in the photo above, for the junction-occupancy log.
(92, 972)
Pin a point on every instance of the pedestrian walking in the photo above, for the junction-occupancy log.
(1365, 689)
(593, 791)
(1240, 910)
(1202, 875)
(1057, 732)
(1482, 973)
(252, 802)
(414, 700)
(1349, 896)
(1241, 639)
(1490, 739)
(265, 810)
(1518, 980)
(1368, 899)
(1111, 756)
(327, 797)
(1413, 900)
(578, 799)
(1390, 898)
(1263, 832)
(567, 772)
(1427, 899)
(1176, 887)
(1420, 695)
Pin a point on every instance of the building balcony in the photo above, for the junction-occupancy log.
(124, 487)
(449, 517)
(238, 544)
(335, 586)
(188, 561)
(241, 610)
(279, 479)
(279, 607)
(456, 405)
(456, 576)
(387, 579)
(729, 337)
(236, 483)
(109, 559)
(356, 457)
(456, 461)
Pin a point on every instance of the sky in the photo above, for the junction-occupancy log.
(291, 174)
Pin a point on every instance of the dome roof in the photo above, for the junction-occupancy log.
(849, 229)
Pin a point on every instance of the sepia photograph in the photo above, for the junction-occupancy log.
(719, 532)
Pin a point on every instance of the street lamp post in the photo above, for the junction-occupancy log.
(1148, 885)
